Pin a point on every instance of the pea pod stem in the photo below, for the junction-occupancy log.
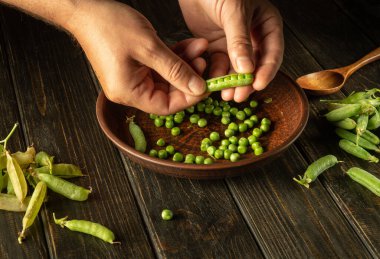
(365, 178)
(5, 141)
(87, 227)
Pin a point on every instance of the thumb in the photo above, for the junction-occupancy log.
(172, 68)
(239, 44)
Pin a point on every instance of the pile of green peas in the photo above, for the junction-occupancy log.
(241, 131)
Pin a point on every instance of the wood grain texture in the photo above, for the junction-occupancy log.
(48, 66)
(339, 42)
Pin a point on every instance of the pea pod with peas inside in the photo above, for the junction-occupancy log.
(355, 97)
(87, 227)
(315, 169)
(357, 151)
(345, 134)
(232, 80)
(365, 178)
(61, 170)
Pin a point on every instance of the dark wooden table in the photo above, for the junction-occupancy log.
(47, 85)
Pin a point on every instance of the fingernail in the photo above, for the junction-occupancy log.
(196, 85)
(244, 64)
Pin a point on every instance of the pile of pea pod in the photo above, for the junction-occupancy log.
(22, 171)
(355, 117)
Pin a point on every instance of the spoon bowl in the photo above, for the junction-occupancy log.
(332, 80)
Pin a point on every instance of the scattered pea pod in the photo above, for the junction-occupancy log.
(344, 134)
(43, 159)
(60, 170)
(347, 124)
(342, 113)
(366, 179)
(137, 135)
(87, 227)
(368, 135)
(361, 125)
(16, 177)
(26, 158)
(63, 187)
(38, 197)
(11, 203)
(357, 151)
(233, 80)
(355, 97)
(374, 121)
(315, 169)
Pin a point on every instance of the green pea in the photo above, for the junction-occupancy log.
(176, 131)
(225, 142)
(169, 117)
(153, 153)
(215, 103)
(161, 142)
(169, 124)
(226, 114)
(243, 141)
(202, 123)
(217, 111)
(222, 147)
(240, 115)
(257, 132)
(189, 159)
(209, 108)
(243, 127)
(229, 133)
(170, 149)
(158, 122)
(265, 127)
(252, 139)
(233, 140)
(208, 161)
(166, 214)
(152, 116)
(181, 113)
(219, 153)
(254, 118)
(206, 141)
(223, 103)
(191, 109)
(234, 111)
(208, 100)
(199, 160)
(249, 123)
(214, 136)
(204, 147)
(225, 120)
(253, 104)
(232, 147)
(233, 126)
(234, 157)
(177, 157)
(178, 118)
(201, 107)
(211, 150)
(258, 151)
(242, 149)
(247, 111)
(266, 121)
(163, 117)
(163, 154)
(226, 108)
(194, 118)
(255, 145)
(227, 154)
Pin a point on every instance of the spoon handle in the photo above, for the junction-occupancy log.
(370, 57)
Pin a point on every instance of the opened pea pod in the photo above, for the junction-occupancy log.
(232, 80)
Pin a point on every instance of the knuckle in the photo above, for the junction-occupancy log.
(175, 70)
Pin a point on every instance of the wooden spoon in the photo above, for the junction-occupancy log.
(331, 80)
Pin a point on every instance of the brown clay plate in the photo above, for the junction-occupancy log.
(288, 112)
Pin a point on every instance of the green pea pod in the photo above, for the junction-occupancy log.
(87, 227)
(38, 197)
(4, 183)
(357, 151)
(374, 121)
(137, 135)
(355, 97)
(315, 169)
(63, 187)
(371, 137)
(227, 81)
(11, 203)
(61, 170)
(43, 159)
(361, 126)
(344, 112)
(10, 189)
(3, 161)
(352, 137)
(16, 177)
(26, 158)
(366, 179)
(1, 148)
(347, 124)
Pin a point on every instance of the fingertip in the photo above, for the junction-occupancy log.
(197, 85)
(228, 94)
(242, 93)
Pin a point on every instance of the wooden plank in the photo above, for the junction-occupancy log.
(337, 42)
(57, 102)
(11, 222)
